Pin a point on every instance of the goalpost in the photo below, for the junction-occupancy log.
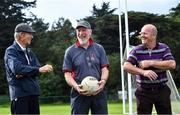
(175, 97)
(121, 63)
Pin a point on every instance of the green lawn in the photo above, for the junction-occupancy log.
(62, 109)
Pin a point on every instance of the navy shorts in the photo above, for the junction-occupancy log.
(82, 104)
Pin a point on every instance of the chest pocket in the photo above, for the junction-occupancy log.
(78, 60)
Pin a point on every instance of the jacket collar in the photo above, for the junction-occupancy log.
(16, 45)
(21, 46)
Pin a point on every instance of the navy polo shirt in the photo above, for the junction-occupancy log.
(85, 62)
(160, 52)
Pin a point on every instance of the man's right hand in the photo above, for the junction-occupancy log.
(150, 74)
(81, 91)
(46, 68)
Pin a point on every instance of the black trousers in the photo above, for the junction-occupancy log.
(25, 105)
(160, 97)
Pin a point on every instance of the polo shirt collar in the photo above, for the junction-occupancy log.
(157, 44)
(79, 45)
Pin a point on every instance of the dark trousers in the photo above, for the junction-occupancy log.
(25, 105)
(82, 104)
(159, 96)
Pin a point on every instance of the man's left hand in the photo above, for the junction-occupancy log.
(101, 86)
(145, 64)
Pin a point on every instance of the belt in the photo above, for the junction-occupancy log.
(152, 88)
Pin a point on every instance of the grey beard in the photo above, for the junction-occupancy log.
(83, 40)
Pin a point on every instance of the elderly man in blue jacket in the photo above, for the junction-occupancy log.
(22, 68)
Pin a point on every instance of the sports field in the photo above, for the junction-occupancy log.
(114, 108)
(62, 109)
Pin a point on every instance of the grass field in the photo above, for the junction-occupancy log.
(62, 109)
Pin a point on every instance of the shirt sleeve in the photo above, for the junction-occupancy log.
(104, 60)
(16, 66)
(67, 63)
(167, 54)
(132, 57)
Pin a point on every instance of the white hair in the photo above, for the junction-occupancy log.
(16, 35)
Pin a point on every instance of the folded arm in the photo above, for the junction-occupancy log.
(165, 65)
(139, 71)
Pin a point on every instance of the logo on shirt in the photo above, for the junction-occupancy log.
(92, 56)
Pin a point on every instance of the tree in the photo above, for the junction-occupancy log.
(49, 46)
(11, 13)
(105, 27)
(175, 13)
(113, 83)
(105, 10)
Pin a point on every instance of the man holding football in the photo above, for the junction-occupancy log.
(86, 58)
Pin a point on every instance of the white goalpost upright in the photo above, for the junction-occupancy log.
(127, 48)
(121, 58)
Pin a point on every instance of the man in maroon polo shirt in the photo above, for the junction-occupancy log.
(151, 60)
(86, 58)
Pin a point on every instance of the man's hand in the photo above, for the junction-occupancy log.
(101, 86)
(145, 64)
(19, 76)
(150, 74)
(79, 88)
(46, 68)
